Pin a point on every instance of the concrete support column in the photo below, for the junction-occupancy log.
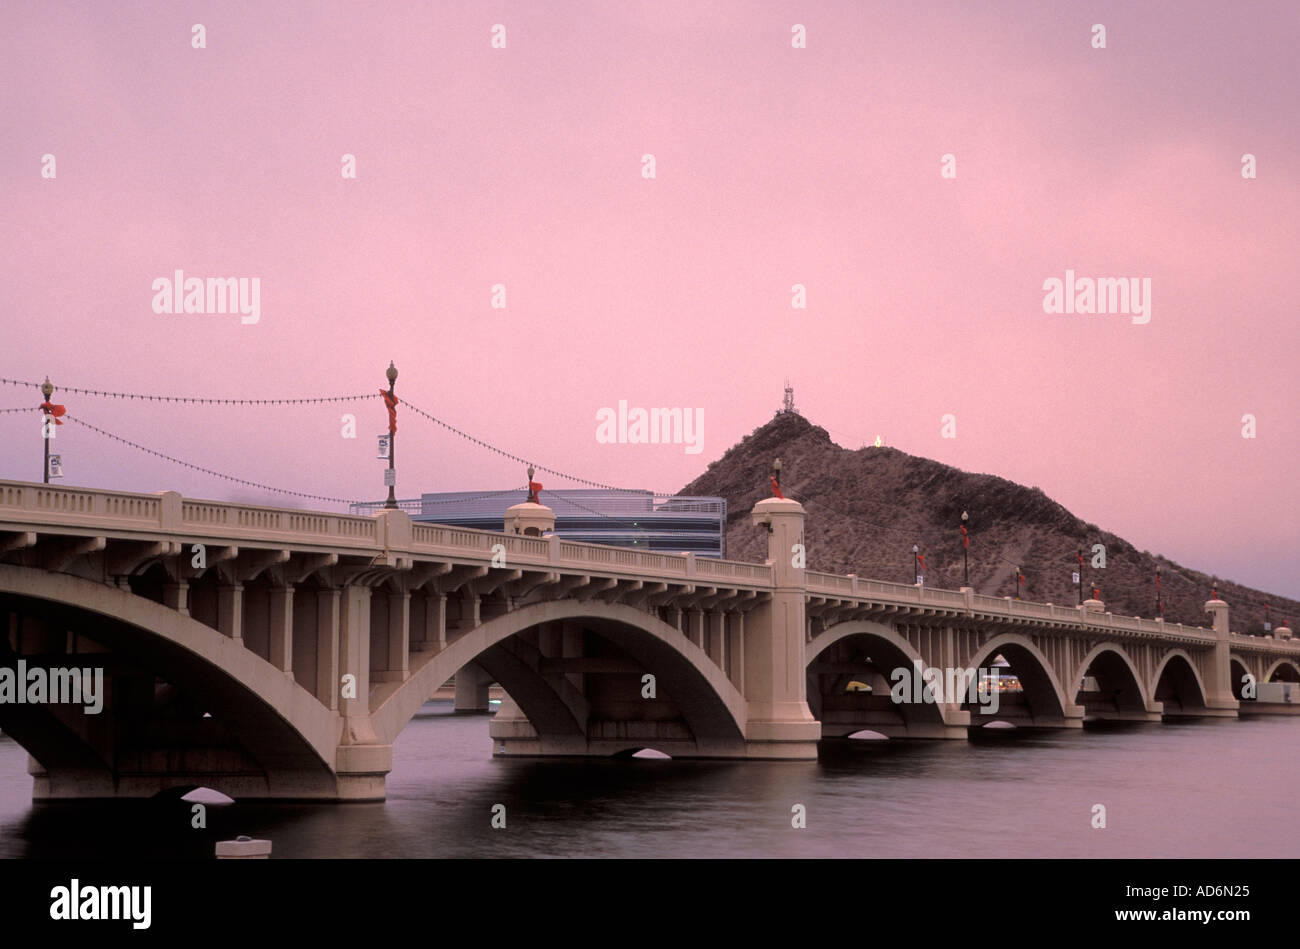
(550, 640)
(780, 725)
(362, 760)
(572, 649)
(354, 652)
(280, 631)
(472, 689)
(397, 660)
(1219, 688)
(675, 617)
(435, 622)
(230, 610)
(177, 596)
(717, 648)
(696, 633)
(327, 647)
(735, 667)
(471, 605)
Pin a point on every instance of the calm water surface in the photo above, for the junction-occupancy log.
(1204, 789)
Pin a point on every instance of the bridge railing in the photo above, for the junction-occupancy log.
(907, 594)
(829, 583)
(96, 508)
(222, 517)
(61, 506)
(621, 558)
(734, 570)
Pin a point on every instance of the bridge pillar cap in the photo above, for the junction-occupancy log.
(778, 506)
(1214, 604)
(1282, 632)
(529, 515)
(528, 507)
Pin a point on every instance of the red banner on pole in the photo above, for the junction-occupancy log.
(54, 410)
(390, 402)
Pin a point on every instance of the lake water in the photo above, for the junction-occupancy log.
(1213, 788)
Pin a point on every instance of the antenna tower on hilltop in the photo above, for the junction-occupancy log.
(787, 405)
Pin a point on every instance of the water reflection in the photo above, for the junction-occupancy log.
(1168, 791)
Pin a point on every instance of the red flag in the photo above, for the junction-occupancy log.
(390, 402)
(533, 489)
(776, 488)
(921, 557)
(965, 538)
(54, 410)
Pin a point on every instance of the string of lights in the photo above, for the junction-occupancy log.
(522, 489)
(607, 517)
(208, 471)
(523, 461)
(22, 408)
(194, 400)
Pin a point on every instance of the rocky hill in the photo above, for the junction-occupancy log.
(866, 509)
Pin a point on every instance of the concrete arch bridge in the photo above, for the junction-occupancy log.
(277, 653)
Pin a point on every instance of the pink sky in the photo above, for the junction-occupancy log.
(775, 166)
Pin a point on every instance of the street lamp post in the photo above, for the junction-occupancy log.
(916, 563)
(965, 550)
(1079, 584)
(392, 439)
(47, 390)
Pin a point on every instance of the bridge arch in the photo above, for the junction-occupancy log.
(842, 714)
(280, 725)
(1042, 688)
(1177, 683)
(1238, 668)
(1119, 681)
(1287, 669)
(712, 708)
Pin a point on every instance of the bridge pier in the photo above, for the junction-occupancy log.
(472, 685)
(1219, 700)
(780, 724)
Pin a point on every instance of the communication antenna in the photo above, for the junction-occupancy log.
(787, 406)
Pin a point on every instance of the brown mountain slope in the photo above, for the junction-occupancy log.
(866, 509)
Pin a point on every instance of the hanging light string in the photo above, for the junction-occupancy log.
(209, 471)
(62, 389)
(479, 497)
(523, 461)
(608, 517)
(22, 408)
(466, 500)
